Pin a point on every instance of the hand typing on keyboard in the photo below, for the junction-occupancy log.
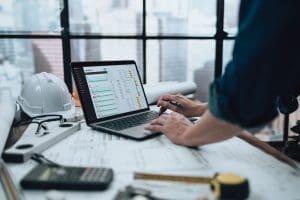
(172, 125)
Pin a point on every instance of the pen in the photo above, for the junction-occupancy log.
(175, 103)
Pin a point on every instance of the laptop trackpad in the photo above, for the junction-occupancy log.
(137, 131)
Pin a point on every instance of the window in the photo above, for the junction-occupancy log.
(106, 17)
(29, 42)
(171, 40)
(181, 18)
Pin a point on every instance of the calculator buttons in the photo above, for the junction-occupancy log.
(76, 178)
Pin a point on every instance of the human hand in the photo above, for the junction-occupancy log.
(172, 125)
(182, 105)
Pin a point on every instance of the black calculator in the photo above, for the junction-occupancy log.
(47, 176)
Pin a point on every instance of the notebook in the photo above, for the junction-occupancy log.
(113, 98)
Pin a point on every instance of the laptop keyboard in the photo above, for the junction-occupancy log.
(131, 121)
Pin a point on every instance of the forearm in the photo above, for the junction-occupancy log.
(208, 130)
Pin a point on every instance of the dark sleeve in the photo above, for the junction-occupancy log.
(265, 64)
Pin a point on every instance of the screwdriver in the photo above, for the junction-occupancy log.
(223, 185)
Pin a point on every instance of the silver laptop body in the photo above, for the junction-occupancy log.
(113, 98)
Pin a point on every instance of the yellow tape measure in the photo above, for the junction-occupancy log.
(224, 185)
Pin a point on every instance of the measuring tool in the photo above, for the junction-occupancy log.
(31, 143)
(224, 185)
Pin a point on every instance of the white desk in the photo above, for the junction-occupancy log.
(269, 178)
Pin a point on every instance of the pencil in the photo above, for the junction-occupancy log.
(175, 103)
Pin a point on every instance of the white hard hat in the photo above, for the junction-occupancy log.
(45, 93)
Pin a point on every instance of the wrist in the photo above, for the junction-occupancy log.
(189, 139)
(201, 108)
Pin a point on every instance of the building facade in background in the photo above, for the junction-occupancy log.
(166, 59)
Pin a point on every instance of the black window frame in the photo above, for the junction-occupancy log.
(66, 38)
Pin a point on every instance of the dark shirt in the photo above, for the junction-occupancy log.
(265, 64)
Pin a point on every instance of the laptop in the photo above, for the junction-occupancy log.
(113, 98)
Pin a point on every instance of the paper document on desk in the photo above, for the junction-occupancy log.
(268, 177)
(90, 149)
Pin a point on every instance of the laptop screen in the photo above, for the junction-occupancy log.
(114, 89)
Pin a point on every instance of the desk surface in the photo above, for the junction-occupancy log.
(269, 178)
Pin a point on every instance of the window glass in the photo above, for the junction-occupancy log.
(182, 60)
(231, 12)
(227, 52)
(108, 17)
(20, 58)
(108, 49)
(30, 15)
(181, 17)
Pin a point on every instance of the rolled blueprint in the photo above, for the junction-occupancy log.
(154, 91)
(7, 113)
